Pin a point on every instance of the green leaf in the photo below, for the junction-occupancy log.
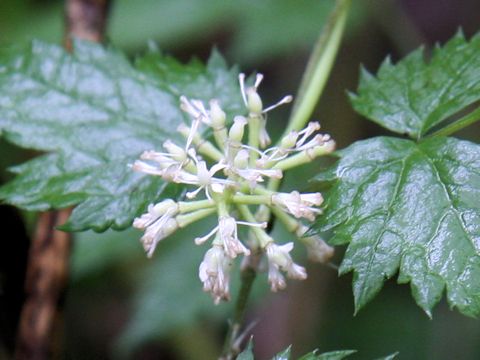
(413, 96)
(247, 354)
(388, 357)
(283, 355)
(336, 355)
(94, 112)
(412, 208)
(331, 355)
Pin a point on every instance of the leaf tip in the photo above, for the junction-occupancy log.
(428, 312)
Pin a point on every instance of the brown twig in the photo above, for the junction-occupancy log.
(45, 281)
(47, 269)
(85, 19)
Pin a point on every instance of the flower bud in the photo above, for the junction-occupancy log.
(237, 129)
(289, 140)
(217, 115)
(162, 207)
(254, 102)
(176, 151)
(241, 159)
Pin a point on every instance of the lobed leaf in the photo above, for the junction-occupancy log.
(94, 112)
(411, 208)
(331, 355)
(247, 354)
(412, 96)
(284, 354)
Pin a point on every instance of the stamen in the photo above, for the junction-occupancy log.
(200, 240)
(285, 100)
(258, 80)
(262, 225)
(241, 80)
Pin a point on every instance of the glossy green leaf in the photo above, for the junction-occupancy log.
(332, 355)
(283, 355)
(388, 357)
(411, 208)
(93, 113)
(247, 354)
(412, 96)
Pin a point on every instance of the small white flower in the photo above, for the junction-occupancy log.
(317, 249)
(275, 278)
(254, 104)
(204, 179)
(299, 205)
(280, 259)
(196, 109)
(237, 167)
(154, 212)
(294, 142)
(227, 230)
(217, 115)
(252, 175)
(164, 163)
(144, 167)
(158, 223)
(306, 133)
(237, 130)
(250, 96)
(228, 235)
(214, 272)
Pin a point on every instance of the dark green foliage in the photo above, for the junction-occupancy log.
(411, 97)
(94, 113)
(412, 207)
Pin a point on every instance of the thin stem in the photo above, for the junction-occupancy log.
(289, 222)
(261, 235)
(461, 123)
(187, 219)
(253, 136)
(251, 199)
(304, 157)
(188, 206)
(220, 135)
(208, 149)
(204, 147)
(248, 275)
(319, 66)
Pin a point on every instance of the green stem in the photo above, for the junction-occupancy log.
(220, 135)
(253, 137)
(204, 147)
(303, 157)
(248, 275)
(188, 206)
(461, 123)
(262, 236)
(289, 222)
(251, 199)
(319, 67)
(187, 219)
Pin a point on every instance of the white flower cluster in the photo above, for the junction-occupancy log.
(232, 182)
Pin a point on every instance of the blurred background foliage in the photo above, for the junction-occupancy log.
(121, 305)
